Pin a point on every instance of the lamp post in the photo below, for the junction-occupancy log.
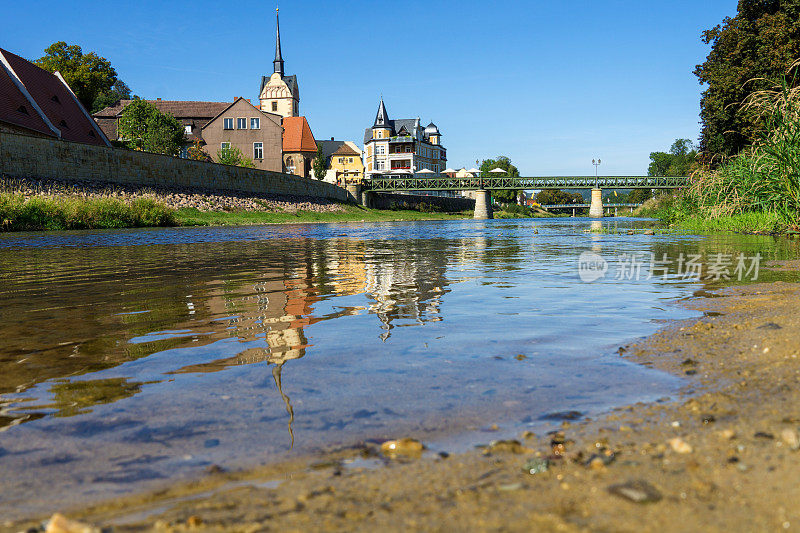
(596, 164)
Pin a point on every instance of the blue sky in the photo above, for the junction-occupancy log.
(550, 84)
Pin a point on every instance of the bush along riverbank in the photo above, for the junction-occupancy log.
(757, 191)
(41, 213)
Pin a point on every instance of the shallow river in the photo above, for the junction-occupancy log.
(129, 359)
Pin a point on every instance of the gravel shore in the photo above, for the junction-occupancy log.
(723, 456)
(172, 197)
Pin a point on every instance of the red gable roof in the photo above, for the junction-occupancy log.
(15, 107)
(297, 136)
(55, 100)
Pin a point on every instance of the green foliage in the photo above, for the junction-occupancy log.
(681, 160)
(318, 165)
(504, 196)
(233, 156)
(758, 44)
(557, 196)
(90, 76)
(144, 128)
(637, 196)
(120, 91)
(62, 213)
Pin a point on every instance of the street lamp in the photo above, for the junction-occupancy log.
(596, 163)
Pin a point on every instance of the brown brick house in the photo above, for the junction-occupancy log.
(257, 134)
(192, 115)
(35, 102)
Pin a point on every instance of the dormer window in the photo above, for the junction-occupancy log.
(22, 109)
(63, 124)
(55, 99)
(91, 134)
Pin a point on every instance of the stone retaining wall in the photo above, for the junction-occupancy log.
(384, 200)
(36, 157)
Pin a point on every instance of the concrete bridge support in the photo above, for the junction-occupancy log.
(361, 197)
(596, 207)
(483, 205)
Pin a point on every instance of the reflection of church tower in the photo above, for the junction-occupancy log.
(279, 93)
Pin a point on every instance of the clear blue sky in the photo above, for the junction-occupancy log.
(550, 84)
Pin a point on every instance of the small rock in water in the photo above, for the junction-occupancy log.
(790, 437)
(520, 357)
(770, 325)
(679, 445)
(536, 465)
(637, 491)
(764, 435)
(406, 446)
(649, 232)
(61, 524)
(194, 521)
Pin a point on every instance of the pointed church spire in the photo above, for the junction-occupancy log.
(382, 118)
(278, 59)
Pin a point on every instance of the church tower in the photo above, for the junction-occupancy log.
(279, 93)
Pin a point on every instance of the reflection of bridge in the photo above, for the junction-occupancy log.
(584, 206)
(484, 184)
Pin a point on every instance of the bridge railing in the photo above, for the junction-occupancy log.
(412, 183)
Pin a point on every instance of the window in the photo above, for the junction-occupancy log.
(408, 149)
(227, 123)
(258, 150)
(241, 123)
(187, 129)
(274, 106)
(341, 160)
(350, 160)
(295, 109)
(184, 153)
(225, 146)
(255, 123)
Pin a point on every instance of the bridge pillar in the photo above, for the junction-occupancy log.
(483, 205)
(596, 207)
(360, 196)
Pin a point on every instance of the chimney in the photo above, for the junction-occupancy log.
(158, 99)
(331, 138)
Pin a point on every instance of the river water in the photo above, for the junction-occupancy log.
(131, 359)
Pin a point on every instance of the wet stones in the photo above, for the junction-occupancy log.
(506, 446)
(791, 439)
(59, 523)
(770, 325)
(636, 491)
(536, 465)
(679, 445)
(406, 447)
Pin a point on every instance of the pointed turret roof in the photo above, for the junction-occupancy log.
(278, 58)
(382, 118)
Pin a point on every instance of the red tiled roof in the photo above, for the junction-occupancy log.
(297, 136)
(12, 102)
(57, 102)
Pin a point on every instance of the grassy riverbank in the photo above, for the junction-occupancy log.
(40, 213)
(48, 213)
(348, 213)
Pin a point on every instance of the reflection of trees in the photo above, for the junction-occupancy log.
(77, 397)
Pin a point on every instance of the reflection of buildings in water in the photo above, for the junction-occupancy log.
(406, 290)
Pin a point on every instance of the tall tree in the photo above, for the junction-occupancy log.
(92, 77)
(681, 160)
(143, 127)
(318, 165)
(501, 161)
(748, 53)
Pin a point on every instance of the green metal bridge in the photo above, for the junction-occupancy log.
(402, 183)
